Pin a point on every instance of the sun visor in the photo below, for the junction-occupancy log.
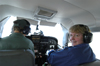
(43, 22)
(33, 22)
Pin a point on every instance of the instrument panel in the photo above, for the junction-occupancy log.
(43, 43)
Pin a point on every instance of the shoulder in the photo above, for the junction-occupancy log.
(5, 38)
(29, 40)
(80, 49)
(81, 46)
(77, 48)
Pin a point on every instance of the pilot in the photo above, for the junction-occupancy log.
(80, 52)
(17, 39)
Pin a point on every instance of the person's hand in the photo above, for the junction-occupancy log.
(47, 52)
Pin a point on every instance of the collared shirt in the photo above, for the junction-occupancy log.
(16, 41)
(71, 56)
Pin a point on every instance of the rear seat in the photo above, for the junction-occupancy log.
(17, 58)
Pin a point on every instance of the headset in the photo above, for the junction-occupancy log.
(87, 36)
(24, 24)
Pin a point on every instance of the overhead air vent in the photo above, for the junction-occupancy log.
(44, 13)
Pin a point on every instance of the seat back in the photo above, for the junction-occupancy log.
(17, 58)
(95, 63)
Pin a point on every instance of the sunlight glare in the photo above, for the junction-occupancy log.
(8, 26)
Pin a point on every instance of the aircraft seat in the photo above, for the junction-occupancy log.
(17, 58)
(95, 63)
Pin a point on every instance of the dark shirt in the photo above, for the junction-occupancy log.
(16, 41)
(71, 56)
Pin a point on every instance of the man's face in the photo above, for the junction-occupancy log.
(76, 38)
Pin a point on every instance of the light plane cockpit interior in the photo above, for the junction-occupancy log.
(50, 21)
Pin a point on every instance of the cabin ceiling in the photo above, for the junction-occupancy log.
(69, 12)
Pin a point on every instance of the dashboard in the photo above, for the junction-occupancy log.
(41, 45)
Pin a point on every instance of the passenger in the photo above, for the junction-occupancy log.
(79, 53)
(17, 39)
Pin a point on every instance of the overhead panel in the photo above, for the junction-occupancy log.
(43, 13)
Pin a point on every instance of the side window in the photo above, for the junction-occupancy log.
(8, 26)
(95, 44)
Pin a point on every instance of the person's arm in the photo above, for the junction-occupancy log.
(54, 57)
(48, 52)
